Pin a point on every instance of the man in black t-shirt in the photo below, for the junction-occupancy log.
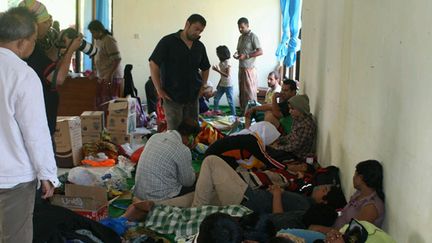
(179, 69)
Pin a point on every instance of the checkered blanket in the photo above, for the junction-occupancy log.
(186, 221)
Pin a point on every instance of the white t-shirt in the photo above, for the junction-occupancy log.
(225, 81)
(270, 92)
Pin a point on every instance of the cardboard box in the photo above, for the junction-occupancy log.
(120, 138)
(92, 121)
(121, 124)
(68, 141)
(122, 107)
(90, 137)
(88, 201)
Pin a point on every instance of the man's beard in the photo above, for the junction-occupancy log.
(191, 37)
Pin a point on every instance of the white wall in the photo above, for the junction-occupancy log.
(139, 25)
(366, 67)
(3, 6)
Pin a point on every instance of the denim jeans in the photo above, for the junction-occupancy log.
(229, 91)
(261, 201)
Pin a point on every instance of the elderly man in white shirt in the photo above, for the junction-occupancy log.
(25, 142)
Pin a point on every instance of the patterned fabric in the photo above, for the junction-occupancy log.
(166, 219)
(37, 8)
(301, 140)
(241, 148)
(164, 167)
(248, 80)
(286, 179)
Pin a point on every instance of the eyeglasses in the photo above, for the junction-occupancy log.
(355, 233)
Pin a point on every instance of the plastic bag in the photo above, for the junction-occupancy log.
(83, 176)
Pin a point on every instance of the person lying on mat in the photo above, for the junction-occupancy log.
(247, 147)
(218, 180)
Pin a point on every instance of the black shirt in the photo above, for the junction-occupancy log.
(179, 67)
(44, 66)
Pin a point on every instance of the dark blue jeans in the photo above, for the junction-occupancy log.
(261, 201)
(230, 98)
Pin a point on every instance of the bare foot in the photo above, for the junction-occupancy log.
(144, 205)
(138, 211)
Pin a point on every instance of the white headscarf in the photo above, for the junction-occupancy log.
(265, 130)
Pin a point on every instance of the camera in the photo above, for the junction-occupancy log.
(70, 33)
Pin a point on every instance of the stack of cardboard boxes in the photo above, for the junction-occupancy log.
(121, 120)
(68, 141)
(92, 124)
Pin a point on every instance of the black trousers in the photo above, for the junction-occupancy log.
(151, 96)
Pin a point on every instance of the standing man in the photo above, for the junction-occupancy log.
(248, 48)
(175, 67)
(27, 154)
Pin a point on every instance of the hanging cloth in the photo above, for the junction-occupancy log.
(291, 24)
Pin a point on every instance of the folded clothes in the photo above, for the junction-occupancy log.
(107, 162)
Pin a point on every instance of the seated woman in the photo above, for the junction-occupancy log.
(367, 203)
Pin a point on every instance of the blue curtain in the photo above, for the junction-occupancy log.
(87, 63)
(291, 24)
(103, 14)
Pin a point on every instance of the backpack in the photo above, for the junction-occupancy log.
(129, 86)
(130, 89)
(327, 175)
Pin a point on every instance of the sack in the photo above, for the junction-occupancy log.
(141, 120)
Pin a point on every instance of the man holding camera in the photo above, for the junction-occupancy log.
(51, 72)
